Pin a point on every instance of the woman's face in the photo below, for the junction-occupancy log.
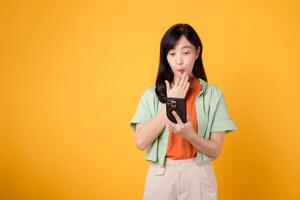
(182, 58)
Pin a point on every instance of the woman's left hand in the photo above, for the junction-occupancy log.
(183, 129)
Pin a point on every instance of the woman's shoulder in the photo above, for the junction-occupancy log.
(149, 92)
(211, 89)
(212, 94)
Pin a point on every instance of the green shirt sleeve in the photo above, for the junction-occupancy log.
(143, 112)
(221, 120)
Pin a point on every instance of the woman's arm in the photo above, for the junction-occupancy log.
(147, 133)
(211, 147)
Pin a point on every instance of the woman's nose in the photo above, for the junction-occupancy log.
(179, 59)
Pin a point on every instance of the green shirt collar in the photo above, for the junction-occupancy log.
(203, 85)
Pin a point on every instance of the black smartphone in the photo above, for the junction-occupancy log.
(177, 104)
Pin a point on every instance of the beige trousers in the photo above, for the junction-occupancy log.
(181, 180)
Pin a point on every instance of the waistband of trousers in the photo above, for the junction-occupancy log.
(189, 161)
(170, 161)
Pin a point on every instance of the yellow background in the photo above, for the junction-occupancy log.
(72, 73)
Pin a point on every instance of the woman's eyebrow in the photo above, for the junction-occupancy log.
(186, 47)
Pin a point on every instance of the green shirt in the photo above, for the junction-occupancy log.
(212, 116)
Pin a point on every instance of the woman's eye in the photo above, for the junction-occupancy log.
(185, 53)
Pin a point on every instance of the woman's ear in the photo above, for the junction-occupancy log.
(198, 52)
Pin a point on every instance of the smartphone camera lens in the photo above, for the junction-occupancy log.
(172, 103)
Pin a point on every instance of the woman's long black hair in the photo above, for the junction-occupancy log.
(168, 42)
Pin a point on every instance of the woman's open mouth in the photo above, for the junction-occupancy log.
(181, 71)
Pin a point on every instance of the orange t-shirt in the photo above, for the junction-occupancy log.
(178, 146)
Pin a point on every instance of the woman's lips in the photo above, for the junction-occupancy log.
(181, 71)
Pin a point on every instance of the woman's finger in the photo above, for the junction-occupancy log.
(188, 117)
(186, 87)
(181, 80)
(169, 122)
(177, 117)
(167, 86)
(176, 81)
(185, 82)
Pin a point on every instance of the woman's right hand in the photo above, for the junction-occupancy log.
(180, 87)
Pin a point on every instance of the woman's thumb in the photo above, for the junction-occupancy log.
(167, 85)
(188, 117)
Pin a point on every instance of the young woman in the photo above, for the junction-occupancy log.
(180, 154)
